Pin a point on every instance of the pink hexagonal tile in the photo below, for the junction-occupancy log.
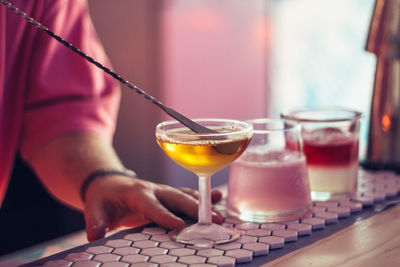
(273, 226)
(137, 236)
(222, 261)
(246, 239)
(365, 200)
(258, 232)
(192, 259)
(126, 251)
(329, 217)
(99, 249)
(106, 257)
(290, 222)
(301, 228)
(288, 235)
(153, 251)
(181, 252)
(354, 206)
(228, 246)
(134, 258)
(145, 244)
(160, 238)
(160, 259)
(247, 226)
(117, 243)
(309, 215)
(209, 252)
(241, 255)
(341, 211)
(326, 204)
(171, 245)
(257, 248)
(274, 242)
(340, 198)
(377, 196)
(316, 223)
(318, 209)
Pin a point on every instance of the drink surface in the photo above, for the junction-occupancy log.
(202, 155)
(269, 187)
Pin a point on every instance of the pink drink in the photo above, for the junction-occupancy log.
(269, 187)
(332, 160)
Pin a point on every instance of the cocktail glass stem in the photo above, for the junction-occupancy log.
(204, 200)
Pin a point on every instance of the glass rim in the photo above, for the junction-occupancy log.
(248, 127)
(292, 125)
(353, 115)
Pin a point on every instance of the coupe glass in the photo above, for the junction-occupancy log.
(204, 154)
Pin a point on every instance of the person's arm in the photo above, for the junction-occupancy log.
(64, 162)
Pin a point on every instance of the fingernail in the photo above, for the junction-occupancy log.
(181, 224)
(217, 218)
(96, 232)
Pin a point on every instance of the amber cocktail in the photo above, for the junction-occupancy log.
(204, 154)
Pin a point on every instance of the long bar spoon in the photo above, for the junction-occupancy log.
(195, 127)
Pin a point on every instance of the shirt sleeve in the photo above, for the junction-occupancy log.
(66, 93)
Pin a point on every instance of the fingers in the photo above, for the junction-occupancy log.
(142, 200)
(216, 195)
(154, 210)
(97, 219)
(185, 201)
(190, 192)
(179, 201)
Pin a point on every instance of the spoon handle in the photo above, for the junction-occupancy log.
(195, 127)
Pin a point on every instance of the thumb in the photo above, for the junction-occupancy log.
(97, 219)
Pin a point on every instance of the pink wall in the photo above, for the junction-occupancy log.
(214, 58)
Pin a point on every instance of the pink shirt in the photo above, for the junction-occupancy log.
(45, 88)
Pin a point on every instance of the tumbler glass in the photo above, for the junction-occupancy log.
(269, 181)
(330, 138)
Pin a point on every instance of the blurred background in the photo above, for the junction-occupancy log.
(227, 58)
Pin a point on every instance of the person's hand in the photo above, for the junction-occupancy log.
(114, 201)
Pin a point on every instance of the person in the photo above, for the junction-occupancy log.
(58, 112)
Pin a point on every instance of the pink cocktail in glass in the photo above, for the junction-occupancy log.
(269, 182)
(332, 159)
(277, 187)
(330, 138)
